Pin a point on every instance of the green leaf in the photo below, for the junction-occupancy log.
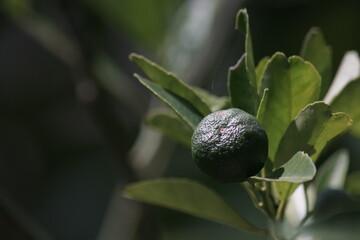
(311, 130)
(349, 70)
(242, 93)
(341, 226)
(352, 184)
(170, 82)
(293, 83)
(262, 105)
(171, 126)
(190, 197)
(216, 103)
(260, 69)
(316, 51)
(242, 24)
(348, 101)
(298, 169)
(184, 110)
(332, 174)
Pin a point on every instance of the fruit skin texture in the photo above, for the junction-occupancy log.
(229, 145)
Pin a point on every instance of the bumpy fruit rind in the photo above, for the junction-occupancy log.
(230, 145)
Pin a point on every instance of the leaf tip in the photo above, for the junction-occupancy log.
(242, 20)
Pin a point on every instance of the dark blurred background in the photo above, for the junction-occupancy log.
(71, 124)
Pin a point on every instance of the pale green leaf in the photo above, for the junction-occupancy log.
(311, 130)
(349, 70)
(298, 169)
(293, 83)
(242, 93)
(171, 126)
(190, 197)
(348, 101)
(183, 109)
(332, 174)
(170, 82)
(316, 51)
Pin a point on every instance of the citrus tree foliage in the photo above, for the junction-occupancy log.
(289, 96)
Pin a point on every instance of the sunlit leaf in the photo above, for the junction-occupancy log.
(190, 197)
(170, 82)
(241, 91)
(260, 69)
(348, 101)
(171, 126)
(311, 130)
(316, 51)
(184, 110)
(293, 83)
(349, 70)
(298, 169)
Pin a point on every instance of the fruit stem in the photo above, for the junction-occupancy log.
(280, 210)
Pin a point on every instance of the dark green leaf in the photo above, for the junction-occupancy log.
(311, 130)
(348, 101)
(171, 126)
(170, 82)
(242, 24)
(190, 197)
(298, 169)
(292, 85)
(184, 110)
(316, 51)
(352, 184)
(242, 93)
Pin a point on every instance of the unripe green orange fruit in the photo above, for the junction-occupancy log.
(229, 145)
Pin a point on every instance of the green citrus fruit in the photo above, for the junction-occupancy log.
(229, 145)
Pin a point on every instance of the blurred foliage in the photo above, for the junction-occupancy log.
(62, 157)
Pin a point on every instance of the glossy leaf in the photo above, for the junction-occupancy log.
(171, 126)
(241, 91)
(293, 83)
(298, 169)
(312, 129)
(170, 82)
(242, 24)
(316, 51)
(215, 103)
(332, 174)
(184, 110)
(349, 70)
(348, 101)
(260, 69)
(190, 197)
